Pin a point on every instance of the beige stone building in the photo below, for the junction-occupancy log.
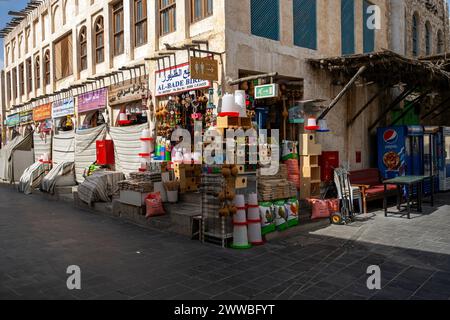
(62, 43)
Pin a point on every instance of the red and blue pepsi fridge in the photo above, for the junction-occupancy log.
(400, 151)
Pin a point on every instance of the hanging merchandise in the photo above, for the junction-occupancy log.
(229, 106)
(297, 113)
(323, 126)
(289, 150)
(312, 125)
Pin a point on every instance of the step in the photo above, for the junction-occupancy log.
(305, 226)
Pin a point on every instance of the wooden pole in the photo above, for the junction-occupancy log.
(342, 93)
(399, 99)
(407, 109)
(435, 108)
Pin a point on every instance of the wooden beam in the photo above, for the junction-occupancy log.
(256, 77)
(397, 100)
(343, 92)
(409, 108)
(356, 116)
(435, 108)
(441, 113)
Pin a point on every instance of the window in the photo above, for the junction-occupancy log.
(265, 19)
(440, 42)
(368, 32)
(35, 32)
(201, 9)
(140, 22)
(167, 15)
(305, 23)
(83, 48)
(29, 75)
(428, 44)
(63, 57)
(37, 72)
(14, 82)
(99, 43)
(47, 67)
(8, 86)
(21, 79)
(415, 35)
(118, 28)
(348, 26)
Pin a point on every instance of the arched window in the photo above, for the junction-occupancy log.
(83, 48)
(428, 44)
(99, 40)
(415, 35)
(37, 72)
(47, 67)
(440, 42)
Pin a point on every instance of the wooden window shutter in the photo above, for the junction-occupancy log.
(305, 23)
(265, 18)
(348, 26)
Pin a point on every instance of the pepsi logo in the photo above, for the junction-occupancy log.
(390, 136)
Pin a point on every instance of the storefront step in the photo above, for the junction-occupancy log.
(305, 226)
(65, 194)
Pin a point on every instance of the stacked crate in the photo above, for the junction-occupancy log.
(189, 176)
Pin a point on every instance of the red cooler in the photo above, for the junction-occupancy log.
(105, 152)
(329, 160)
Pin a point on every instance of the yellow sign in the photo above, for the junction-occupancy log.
(204, 69)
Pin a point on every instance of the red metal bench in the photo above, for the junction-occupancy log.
(370, 183)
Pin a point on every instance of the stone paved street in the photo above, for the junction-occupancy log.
(40, 239)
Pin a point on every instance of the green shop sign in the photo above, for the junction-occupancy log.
(13, 120)
(266, 91)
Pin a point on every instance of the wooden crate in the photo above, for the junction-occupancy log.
(245, 123)
(227, 122)
(241, 182)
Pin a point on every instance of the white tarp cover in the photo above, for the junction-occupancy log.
(63, 157)
(42, 144)
(100, 186)
(63, 171)
(63, 148)
(127, 146)
(18, 143)
(85, 149)
(32, 177)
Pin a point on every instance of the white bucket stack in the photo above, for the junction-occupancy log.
(146, 150)
(254, 221)
(240, 232)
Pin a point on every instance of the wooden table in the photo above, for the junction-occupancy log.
(409, 182)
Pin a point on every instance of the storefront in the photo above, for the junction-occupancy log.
(91, 108)
(63, 112)
(12, 123)
(128, 102)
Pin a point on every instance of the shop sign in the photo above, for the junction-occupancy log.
(177, 79)
(125, 93)
(13, 120)
(63, 108)
(93, 100)
(266, 91)
(26, 117)
(204, 69)
(43, 112)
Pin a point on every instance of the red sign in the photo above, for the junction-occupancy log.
(43, 112)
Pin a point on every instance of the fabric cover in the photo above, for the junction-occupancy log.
(85, 149)
(62, 174)
(100, 186)
(6, 155)
(63, 148)
(127, 147)
(32, 177)
(42, 145)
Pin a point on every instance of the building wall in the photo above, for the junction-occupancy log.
(248, 52)
(433, 11)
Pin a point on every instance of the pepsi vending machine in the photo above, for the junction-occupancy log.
(400, 151)
(443, 158)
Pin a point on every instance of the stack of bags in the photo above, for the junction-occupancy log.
(136, 185)
(293, 174)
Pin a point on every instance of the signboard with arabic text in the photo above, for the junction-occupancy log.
(43, 112)
(177, 79)
(93, 100)
(26, 117)
(13, 120)
(63, 108)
